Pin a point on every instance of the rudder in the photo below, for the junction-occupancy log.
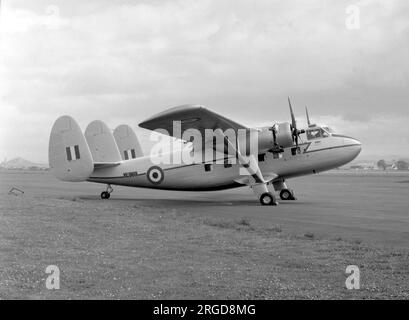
(68, 154)
(101, 142)
(127, 142)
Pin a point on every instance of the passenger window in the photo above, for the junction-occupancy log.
(313, 134)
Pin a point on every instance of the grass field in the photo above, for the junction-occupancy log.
(145, 244)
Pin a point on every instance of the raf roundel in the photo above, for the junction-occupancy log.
(155, 175)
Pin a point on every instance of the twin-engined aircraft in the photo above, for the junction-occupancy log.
(232, 156)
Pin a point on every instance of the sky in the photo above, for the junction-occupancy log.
(123, 61)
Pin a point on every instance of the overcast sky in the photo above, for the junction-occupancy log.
(122, 61)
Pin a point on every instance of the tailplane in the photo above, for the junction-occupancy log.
(69, 156)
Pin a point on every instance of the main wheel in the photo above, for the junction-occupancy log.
(268, 199)
(286, 194)
(105, 195)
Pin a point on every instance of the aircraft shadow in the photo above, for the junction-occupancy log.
(163, 202)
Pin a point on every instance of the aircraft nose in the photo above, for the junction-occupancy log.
(354, 145)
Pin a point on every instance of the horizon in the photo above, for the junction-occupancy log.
(359, 159)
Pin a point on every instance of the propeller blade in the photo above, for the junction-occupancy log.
(308, 117)
(293, 122)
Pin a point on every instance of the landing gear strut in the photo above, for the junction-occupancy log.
(107, 194)
(285, 192)
(266, 198)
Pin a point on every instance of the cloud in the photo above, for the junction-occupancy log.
(122, 61)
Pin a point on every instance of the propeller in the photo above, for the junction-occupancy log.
(295, 131)
(308, 117)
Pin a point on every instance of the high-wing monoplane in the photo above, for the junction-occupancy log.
(219, 153)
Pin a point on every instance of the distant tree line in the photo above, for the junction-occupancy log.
(398, 165)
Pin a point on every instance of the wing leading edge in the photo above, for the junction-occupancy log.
(191, 117)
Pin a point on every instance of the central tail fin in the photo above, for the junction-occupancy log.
(69, 156)
(127, 142)
(101, 142)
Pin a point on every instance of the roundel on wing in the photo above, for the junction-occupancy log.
(155, 175)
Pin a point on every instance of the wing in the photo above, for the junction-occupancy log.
(191, 117)
(199, 118)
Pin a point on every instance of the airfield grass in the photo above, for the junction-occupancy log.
(111, 250)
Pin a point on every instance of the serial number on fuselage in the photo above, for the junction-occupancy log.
(130, 174)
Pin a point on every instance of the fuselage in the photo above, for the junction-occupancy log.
(315, 154)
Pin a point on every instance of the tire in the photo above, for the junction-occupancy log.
(286, 194)
(267, 199)
(105, 195)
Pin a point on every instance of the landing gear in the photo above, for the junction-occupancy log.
(287, 194)
(107, 194)
(268, 199)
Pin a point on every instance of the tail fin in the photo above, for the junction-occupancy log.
(69, 156)
(127, 142)
(101, 142)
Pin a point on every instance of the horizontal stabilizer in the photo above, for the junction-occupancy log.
(101, 142)
(101, 165)
(69, 156)
(127, 142)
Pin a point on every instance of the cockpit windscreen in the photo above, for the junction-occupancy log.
(319, 133)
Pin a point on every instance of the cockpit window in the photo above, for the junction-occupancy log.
(313, 134)
(316, 134)
(328, 129)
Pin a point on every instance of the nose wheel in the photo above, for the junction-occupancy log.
(107, 194)
(287, 194)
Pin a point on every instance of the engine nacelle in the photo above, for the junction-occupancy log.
(284, 135)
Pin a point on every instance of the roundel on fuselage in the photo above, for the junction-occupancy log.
(155, 175)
